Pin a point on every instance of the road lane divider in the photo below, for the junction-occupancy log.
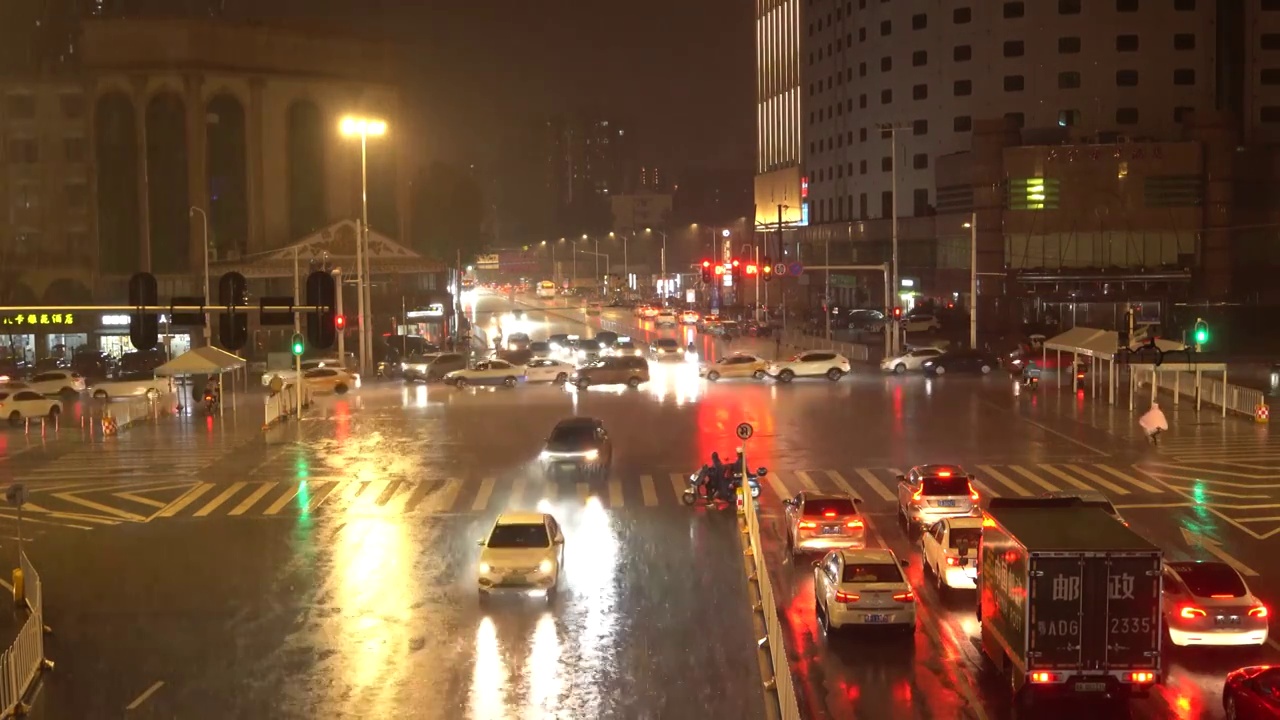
(105, 509)
(1075, 482)
(615, 493)
(285, 497)
(679, 481)
(320, 492)
(1034, 478)
(140, 499)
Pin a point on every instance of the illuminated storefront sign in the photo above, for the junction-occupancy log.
(38, 319)
(434, 310)
(123, 320)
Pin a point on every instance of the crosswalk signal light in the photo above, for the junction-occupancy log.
(298, 345)
(1201, 333)
(340, 322)
(706, 271)
(897, 313)
(736, 268)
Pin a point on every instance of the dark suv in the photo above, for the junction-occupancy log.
(579, 443)
(613, 371)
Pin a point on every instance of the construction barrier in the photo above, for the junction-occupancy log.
(1261, 413)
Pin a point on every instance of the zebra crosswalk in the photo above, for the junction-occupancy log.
(1257, 447)
(132, 459)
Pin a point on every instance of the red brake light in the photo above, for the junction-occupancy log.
(844, 597)
(706, 263)
(973, 494)
(829, 513)
(944, 473)
(952, 561)
(907, 596)
(1041, 676)
(1259, 612)
(1223, 596)
(1142, 676)
(808, 525)
(854, 524)
(1190, 612)
(1079, 376)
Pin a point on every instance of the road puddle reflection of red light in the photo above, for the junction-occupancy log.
(1185, 698)
(342, 421)
(718, 417)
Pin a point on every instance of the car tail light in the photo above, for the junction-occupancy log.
(952, 561)
(915, 497)
(1040, 676)
(907, 596)
(1142, 676)
(1190, 612)
(807, 525)
(1259, 612)
(973, 494)
(853, 524)
(1223, 596)
(844, 597)
(829, 513)
(944, 473)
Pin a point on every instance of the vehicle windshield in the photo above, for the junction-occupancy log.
(971, 537)
(626, 346)
(523, 535)
(956, 485)
(574, 435)
(830, 507)
(871, 573)
(1210, 579)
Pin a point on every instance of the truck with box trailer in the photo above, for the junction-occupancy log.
(1068, 601)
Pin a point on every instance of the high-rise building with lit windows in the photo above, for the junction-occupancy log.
(778, 118)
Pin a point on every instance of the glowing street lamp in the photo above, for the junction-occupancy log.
(364, 128)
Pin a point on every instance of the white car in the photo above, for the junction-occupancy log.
(863, 587)
(548, 370)
(131, 385)
(689, 317)
(814, 363)
(490, 372)
(331, 380)
(949, 550)
(1208, 603)
(57, 382)
(17, 404)
(523, 553)
(910, 360)
(666, 317)
(921, 322)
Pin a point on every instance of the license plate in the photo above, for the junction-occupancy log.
(1090, 687)
(516, 578)
(946, 503)
(831, 530)
(1227, 620)
(878, 618)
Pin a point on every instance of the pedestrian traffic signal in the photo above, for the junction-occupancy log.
(321, 324)
(706, 271)
(340, 322)
(144, 325)
(298, 345)
(897, 313)
(1201, 333)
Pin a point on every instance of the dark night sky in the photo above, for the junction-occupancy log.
(678, 73)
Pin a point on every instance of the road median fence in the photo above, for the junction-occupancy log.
(24, 660)
(856, 352)
(287, 402)
(1213, 391)
(782, 684)
(105, 418)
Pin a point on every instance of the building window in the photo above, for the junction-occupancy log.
(77, 195)
(1127, 116)
(920, 127)
(919, 22)
(20, 106)
(920, 161)
(1184, 41)
(24, 150)
(1126, 43)
(1014, 48)
(886, 96)
(862, 101)
(1184, 5)
(962, 123)
(886, 64)
(886, 28)
(1013, 83)
(73, 149)
(862, 167)
(1068, 7)
(862, 69)
(862, 134)
(1068, 45)
(1271, 114)
(962, 88)
(1270, 41)
(919, 58)
(961, 16)
(962, 53)
(919, 92)
(886, 204)
(1014, 10)
(1180, 113)
(1270, 76)
(1019, 120)
(1184, 76)
(920, 198)
(862, 34)
(862, 207)
(1126, 5)
(1068, 80)
(1068, 118)
(886, 164)
(1126, 78)
(72, 105)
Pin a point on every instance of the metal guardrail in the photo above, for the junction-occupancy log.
(1213, 391)
(781, 683)
(23, 661)
(854, 351)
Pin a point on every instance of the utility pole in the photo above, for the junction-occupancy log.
(780, 259)
(360, 309)
(973, 281)
(895, 283)
(826, 303)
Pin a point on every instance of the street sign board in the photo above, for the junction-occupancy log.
(779, 269)
(795, 269)
(745, 431)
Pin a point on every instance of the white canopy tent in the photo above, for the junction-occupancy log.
(207, 360)
(1100, 346)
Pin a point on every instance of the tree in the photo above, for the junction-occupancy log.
(447, 213)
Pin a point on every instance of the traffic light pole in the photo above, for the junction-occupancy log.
(337, 301)
(297, 325)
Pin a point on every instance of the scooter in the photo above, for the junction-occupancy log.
(697, 486)
(210, 402)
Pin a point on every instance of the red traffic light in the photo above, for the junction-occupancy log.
(339, 322)
(719, 269)
(897, 313)
(735, 263)
(706, 263)
(751, 269)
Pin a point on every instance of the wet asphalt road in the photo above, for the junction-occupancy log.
(328, 566)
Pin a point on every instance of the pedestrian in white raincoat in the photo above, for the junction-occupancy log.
(1153, 422)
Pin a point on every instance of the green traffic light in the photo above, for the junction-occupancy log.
(1202, 336)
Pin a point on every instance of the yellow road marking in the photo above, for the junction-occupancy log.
(224, 496)
(243, 507)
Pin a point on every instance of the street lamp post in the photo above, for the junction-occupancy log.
(663, 270)
(363, 127)
(204, 224)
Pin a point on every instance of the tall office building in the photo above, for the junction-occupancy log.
(588, 159)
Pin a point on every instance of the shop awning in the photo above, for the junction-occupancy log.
(206, 360)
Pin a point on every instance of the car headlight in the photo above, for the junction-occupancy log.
(484, 568)
(545, 566)
(403, 365)
(544, 455)
(592, 454)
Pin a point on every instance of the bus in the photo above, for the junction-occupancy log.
(546, 289)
